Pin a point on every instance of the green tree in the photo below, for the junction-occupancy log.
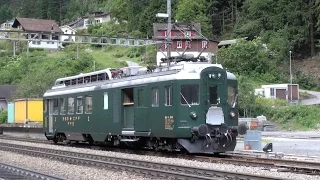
(194, 11)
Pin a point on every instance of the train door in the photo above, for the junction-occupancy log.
(51, 111)
(214, 94)
(128, 109)
(140, 109)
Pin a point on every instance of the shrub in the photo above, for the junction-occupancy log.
(3, 116)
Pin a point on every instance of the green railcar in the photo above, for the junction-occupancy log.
(189, 105)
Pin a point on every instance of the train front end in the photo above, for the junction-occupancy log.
(217, 126)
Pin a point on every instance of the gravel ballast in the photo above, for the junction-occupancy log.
(79, 172)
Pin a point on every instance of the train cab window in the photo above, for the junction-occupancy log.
(62, 106)
(155, 97)
(214, 94)
(70, 105)
(168, 95)
(79, 105)
(189, 94)
(231, 95)
(55, 106)
(88, 104)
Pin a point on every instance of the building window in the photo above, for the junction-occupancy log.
(204, 44)
(88, 104)
(140, 98)
(179, 44)
(155, 97)
(70, 105)
(106, 101)
(79, 105)
(271, 92)
(188, 34)
(62, 106)
(168, 96)
(188, 44)
(190, 94)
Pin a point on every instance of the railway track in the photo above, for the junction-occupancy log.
(281, 165)
(153, 169)
(12, 172)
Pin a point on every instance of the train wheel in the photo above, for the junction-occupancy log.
(55, 141)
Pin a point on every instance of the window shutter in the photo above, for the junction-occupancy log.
(183, 44)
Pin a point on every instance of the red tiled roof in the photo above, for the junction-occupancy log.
(38, 25)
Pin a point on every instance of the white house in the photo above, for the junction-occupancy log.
(67, 30)
(93, 18)
(50, 29)
(280, 91)
(6, 25)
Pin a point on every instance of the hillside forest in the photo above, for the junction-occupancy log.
(271, 28)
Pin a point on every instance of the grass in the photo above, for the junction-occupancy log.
(110, 56)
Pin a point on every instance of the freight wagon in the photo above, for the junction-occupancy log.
(21, 110)
(190, 106)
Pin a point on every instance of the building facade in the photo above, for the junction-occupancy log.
(186, 39)
(279, 91)
(93, 18)
(50, 29)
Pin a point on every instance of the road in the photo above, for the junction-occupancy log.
(311, 101)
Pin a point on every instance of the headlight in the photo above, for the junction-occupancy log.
(193, 115)
(232, 114)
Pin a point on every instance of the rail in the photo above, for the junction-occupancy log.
(14, 172)
(159, 170)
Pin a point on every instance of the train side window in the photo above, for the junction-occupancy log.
(155, 97)
(231, 95)
(70, 105)
(62, 106)
(55, 106)
(168, 95)
(189, 94)
(213, 94)
(88, 104)
(106, 101)
(79, 105)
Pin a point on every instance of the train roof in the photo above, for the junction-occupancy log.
(182, 70)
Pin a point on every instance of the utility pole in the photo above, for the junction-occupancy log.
(168, 39)
(169, 29)
(290, 79)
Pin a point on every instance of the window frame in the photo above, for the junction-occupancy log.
(55, 106)
(86, 105)
(70, 98)
(105, 102)
(179, 44)
(198, 96)
(155, 93)
(79, 97)
(64, 110)
(167, 89)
